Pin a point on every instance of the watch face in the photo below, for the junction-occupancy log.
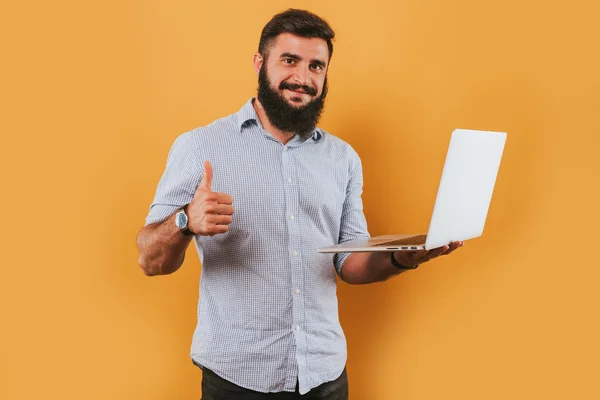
(181, 220)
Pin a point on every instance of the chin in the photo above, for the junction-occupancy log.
(297, 104)
(296, 101)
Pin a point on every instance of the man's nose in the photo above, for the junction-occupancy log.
(301, 76)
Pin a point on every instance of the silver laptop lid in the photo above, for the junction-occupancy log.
(466, 186)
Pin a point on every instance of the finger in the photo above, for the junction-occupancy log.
(222, 209)
(431, 254)
(216, 229)
(224, 198)
(453, 246)
(220, 219)
(206, 182)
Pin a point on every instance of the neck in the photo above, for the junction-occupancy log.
(282, 136)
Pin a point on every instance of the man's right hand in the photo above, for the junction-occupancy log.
(209, 213)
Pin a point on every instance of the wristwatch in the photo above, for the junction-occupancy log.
(181, 220)
(398, 265)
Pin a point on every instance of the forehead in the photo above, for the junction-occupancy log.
(307, 48)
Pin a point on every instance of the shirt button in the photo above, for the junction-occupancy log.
(289, 180)
(294, 253)
(292, 217)
(297, 327)
(297, 291)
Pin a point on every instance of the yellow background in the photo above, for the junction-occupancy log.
(94, 93)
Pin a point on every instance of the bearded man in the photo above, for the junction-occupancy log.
(259, 191)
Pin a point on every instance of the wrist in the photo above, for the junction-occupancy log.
(182, 221)
(397, 265)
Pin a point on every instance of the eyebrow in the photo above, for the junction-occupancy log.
(298, 58)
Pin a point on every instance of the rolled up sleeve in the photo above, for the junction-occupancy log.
(179, 180)
(353, 223)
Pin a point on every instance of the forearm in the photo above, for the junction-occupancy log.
(368, 267)
(161, 247)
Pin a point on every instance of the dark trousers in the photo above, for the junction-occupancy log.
(216, 388)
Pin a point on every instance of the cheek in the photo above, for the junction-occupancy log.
(276, 78)
(320, 84)
(277, 81)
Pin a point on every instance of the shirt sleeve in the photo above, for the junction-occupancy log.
(179, 181)
(353, 224)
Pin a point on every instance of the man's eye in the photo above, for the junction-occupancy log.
(288, 60)
(316, 66)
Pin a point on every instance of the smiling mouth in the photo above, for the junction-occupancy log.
(297, 91)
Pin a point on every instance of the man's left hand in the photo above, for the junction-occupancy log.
(412, 258)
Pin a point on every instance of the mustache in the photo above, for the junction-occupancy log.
(295, 86)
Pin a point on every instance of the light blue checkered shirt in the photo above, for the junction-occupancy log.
(268, 311)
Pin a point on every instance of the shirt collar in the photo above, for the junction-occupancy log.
(248, 113)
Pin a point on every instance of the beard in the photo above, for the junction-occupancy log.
(300, 120)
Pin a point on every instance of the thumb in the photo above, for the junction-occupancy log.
(206, 182)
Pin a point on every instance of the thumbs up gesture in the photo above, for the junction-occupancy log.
(209, 213)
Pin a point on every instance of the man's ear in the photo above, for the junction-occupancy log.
(258, 62)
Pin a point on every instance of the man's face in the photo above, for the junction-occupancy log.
(299, 65)
(292, 82)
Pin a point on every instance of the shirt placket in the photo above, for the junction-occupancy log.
(295, 256)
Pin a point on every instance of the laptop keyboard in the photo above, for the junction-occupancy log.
(413, 240)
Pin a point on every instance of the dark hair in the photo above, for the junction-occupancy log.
(298, 22)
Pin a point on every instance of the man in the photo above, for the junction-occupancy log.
(259, 191)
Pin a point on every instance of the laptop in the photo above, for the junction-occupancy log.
(462, 201)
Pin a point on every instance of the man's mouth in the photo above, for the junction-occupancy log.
(299, 91)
